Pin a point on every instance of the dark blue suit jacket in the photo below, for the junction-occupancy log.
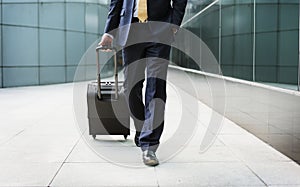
(121, 13)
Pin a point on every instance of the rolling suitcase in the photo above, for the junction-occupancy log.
(107, 109)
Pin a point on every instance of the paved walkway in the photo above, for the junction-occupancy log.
(41, 145)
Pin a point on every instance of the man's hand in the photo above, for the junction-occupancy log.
(106, 40)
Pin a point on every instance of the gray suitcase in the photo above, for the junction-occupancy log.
(107, 109)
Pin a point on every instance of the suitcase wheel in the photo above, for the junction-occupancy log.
(125, 136)
(94, 136)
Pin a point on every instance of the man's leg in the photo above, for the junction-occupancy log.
(155, 96)
(134, 72)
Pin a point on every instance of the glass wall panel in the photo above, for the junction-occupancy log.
(237, 39)
(194, 7)
(104, 2)
(51, 1)
(227, 54)
(266, 57)
(52, 47)
(50, 75)
(287, 16)
(90, 39)
(91, 18)
(19, 1)
(52, 15)
(205, 26)
(258, 40)
(75, 16)
(242, 59)
(19, 76)
(266, 17)
(102, 10)
(20, 14)
(77, 1)
(47, 38)
(20, 46)
(288, 48)
(71, 72)
(277, 42)
(0, 43)
(91, 71)
(75, 47)
(92, 1)
(209, 29)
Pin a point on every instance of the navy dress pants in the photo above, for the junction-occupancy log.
(148, 115)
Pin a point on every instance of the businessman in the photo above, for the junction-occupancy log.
(151, 55)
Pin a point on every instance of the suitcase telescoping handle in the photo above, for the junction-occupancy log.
(107, 48)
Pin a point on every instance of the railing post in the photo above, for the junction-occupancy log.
(299, 50)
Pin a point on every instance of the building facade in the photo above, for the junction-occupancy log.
(42, 41)
(255, 40)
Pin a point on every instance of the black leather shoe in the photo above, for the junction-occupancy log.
(136, 139)
(149, 158)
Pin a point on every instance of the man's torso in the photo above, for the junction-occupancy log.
(158, 10)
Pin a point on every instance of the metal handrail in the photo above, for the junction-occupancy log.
(107, 48)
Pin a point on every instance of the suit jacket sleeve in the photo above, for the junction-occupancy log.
(178, 11)
(113, 19)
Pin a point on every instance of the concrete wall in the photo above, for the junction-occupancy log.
(272, 114)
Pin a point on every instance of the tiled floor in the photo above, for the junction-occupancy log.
(41, 144)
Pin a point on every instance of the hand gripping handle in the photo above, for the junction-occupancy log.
(104, 48)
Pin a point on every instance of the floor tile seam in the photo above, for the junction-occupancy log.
(60, 167)
(98, 186)
(260, 141)
(265, 144)
(269, 162)
(99, 162)
(260, 178)
(33, 163)
(105, 162)
(206, 162)
(12, 137)
(285, 185)
(117, 146)
(35, 123)
(231, 151)
(231, 133)
(24, 186)
(156, 176)
(246, 164)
